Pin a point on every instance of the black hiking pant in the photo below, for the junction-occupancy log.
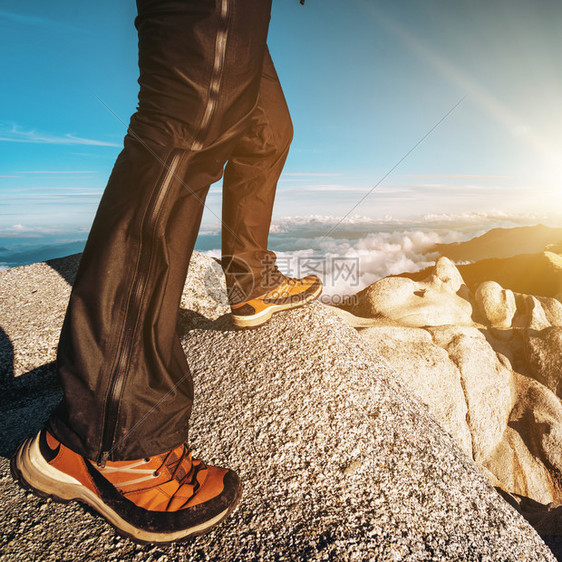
(209, 97)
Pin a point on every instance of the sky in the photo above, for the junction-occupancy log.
(401, 109)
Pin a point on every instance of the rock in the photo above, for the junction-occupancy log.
(441, 298)
(426, 370)
(528, 459)
(328, 434)
(448, 275)
(547, 518)
(497, 405)
(552, 310)
(207, 289)
(29, 312)
(486, 383)
(501, 308)
(538, 274)
(530, 313)
(495, 304)
(514, 424)
(543, 350)
(337, 460)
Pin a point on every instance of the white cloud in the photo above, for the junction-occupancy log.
(54, 172)
(28, 19)
(286, 224)
(17, 134)
(326, 187)
(311, 174)
(375, 248)
(367, 259)
(454, 176)
(22, 231)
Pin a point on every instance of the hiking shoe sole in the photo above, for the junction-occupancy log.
(32, 472)
(246, 316)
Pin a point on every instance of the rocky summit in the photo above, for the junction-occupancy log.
(338, 459)
(488, 365)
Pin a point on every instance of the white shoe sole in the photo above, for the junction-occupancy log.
(34, 473)
(256, 320)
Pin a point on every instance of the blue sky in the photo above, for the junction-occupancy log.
(365, 80)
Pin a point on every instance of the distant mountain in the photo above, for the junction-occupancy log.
(22, 252)
(41, 253)
(533, 274)
(503, 243)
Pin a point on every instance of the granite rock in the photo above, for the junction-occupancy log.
(338, 460)
(439, 298)
(509, 368)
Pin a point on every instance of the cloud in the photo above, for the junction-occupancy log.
(312, 222)
(454, 176)
(17, 134)
(311, 174)
(61, 197)
(453, 189)
(22, 231)
(28, 19)
(370, 248)
(346, 266)
(325, 187)
(54, 172)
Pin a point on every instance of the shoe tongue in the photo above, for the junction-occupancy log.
(174, 457)
(181, 473)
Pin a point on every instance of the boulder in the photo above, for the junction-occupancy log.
(528, 459)
(441, 298)
(321, 433)
(495, 304)
(552, 310)
(502, 308)
(486, 383)
(543, 351)
(530, 313)
(514, 422)
(426, 370)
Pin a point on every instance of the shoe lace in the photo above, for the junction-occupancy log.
(175, 465)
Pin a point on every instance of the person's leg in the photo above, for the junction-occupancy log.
(127, 388)
(249, 186)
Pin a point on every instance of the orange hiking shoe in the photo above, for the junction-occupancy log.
(290, 293)
(161, 499)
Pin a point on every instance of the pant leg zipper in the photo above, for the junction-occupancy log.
(134, 306)
(216, 76)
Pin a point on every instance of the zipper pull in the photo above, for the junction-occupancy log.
(102, 459)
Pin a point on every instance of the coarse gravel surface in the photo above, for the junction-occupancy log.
(338, 461)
